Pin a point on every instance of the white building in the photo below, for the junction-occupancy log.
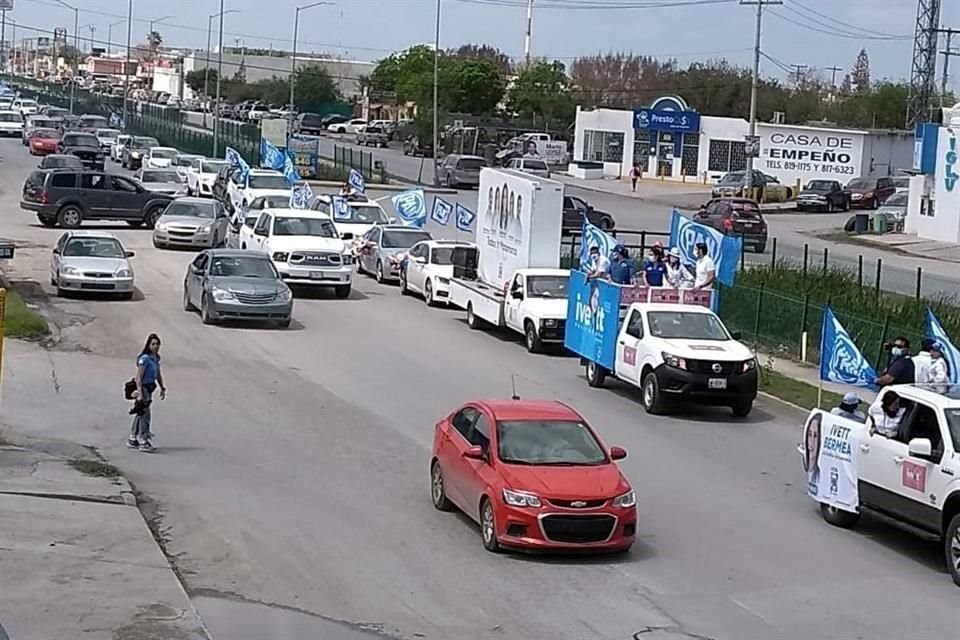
(671, 140)
(933, 211)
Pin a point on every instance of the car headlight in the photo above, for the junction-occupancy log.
(222, 295)
(124, 273)
(70, 271)
(856, 196)
(627, 500)
(673, 361)
(347, 258)
(445, 281)
(161, 226)
(280, 256)
(135, 154)
(749, 365)
(285, 295)
(518, 499)
(205, 228)
(550, 322)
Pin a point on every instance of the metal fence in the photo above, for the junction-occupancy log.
(346, 158)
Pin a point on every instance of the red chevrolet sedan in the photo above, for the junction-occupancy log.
(534, 475)
(44, 142)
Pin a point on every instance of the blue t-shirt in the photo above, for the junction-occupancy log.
(621, 271)
(654, 272)
(151, 368)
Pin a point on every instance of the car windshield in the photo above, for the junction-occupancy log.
(190, 209)
(402, 239)
(49, 134)
(898, 199)
(144, 142)
(57, 162)
(735, 177)
(94, 121)
(46, 123)
(363, 215)
(547, 287)
(243, 267)
(537, 165)
(268, 182)
(548, 442)
(270, 202)
(11, 117)
(294, 226)
(819, 185)
(160, 176)
(80, 140)
(109, 134)
(94, 248)
(860, 183)
(686, 325)
(441, 255)
(183, 161)
(163, 153)
(212, 167)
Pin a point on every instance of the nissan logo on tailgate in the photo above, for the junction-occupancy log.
(717, 368)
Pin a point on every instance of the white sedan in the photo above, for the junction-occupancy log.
(429, 268)
(160, 157)
(350, 126)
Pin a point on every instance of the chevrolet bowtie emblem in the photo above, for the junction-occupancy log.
(578, 503)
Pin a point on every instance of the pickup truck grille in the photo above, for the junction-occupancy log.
(710, 367)
(316, 259)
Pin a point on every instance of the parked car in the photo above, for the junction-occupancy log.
(461, 170)
(91, 262)
(731, 184)
(332, 118)
(67, 197)
(736, 216)
(901, 183)
(309, 124)
(823, 195)
(533, 166)
(412, 146)
(870, 193)
(191, 222)
(429, 268)
(11, 123)
(257, 112)
(201, 176)
(107, 137)
(116, 151)
(44, 142)
(135, 150)
(384, 248)
(350, 126)
(60, 161)
(232, 284)
(575, 208)
(166, 181)
(83, 145)
(90, 123)
(372, 136)
(894, 209)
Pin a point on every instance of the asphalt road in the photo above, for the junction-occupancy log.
(292, 472)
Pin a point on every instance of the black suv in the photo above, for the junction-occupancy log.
(83, 145)
(575, 208)
(67, 197)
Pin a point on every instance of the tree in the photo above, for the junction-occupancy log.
(860, 74)
(484, 52)
(314, 87)
(154, 40)
(470, 85)
(409, 74)
(198, 79)
(542, 90)
(621, 80)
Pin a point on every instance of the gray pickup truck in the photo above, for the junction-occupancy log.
(373, 136)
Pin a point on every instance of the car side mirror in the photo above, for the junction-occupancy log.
(920, 448)
(617, 453)
(56, 251)
(130, 254)
(475, 453)
(392, 220)
(420, 260)
(517, 294)
(736, 335)
(259, 232)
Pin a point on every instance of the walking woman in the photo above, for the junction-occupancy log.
(147, 379)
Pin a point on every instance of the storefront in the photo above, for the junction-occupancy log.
(933, 211)
(673, 141)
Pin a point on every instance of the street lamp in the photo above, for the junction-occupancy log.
(110, 35)
(93, 30)
(76, 46)
(153, 22)
(206, 68)
(216, 114)
(293, 59)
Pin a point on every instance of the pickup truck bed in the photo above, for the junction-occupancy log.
(481, 301)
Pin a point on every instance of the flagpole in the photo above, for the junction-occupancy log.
(819, 393)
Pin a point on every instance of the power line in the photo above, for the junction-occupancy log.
(845, 24)
(832, 32)
(799, 69)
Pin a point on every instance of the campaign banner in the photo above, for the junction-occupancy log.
(305, 153)
(840, 359)
(685, 234)
(593, 319)
(830, 445)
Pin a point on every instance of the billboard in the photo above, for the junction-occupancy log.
(6, 5)
(810, 153)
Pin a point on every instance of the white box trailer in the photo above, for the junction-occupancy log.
(516, 282)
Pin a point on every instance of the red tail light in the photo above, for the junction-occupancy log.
(43, 197)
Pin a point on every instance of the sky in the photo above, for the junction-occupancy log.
(816, 33)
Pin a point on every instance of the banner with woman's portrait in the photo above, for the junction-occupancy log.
(830, 446)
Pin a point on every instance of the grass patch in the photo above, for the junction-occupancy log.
(21, 321)
(95, 468)
(795, 391)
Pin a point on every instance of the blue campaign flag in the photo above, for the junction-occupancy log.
(725, 250)
(465, 218)
(441, 211)
(840, 359)
(593, 319)
(234, 159)
(270, 156)
(594, 236)
(114, 119)
(355, 180)
(938, 334)
(411, 207)
(341, 208)
(289, 170)
(300, 196)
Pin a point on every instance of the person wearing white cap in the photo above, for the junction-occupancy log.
(677, 276)
(848, 408)
(938, 374)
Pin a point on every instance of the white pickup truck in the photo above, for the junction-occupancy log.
(304, 246)
(675, 353)
(534, 303)
(259, 182)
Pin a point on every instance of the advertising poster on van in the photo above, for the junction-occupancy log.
(504, 225)
(807, 153)
(830, 460)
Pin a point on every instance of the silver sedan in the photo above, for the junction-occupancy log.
(384, 248)
(191, 222)
(91, 262)
(166, 181)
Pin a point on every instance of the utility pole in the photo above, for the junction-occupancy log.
(833, 76)
(3, 42)
(947, 53)
(526, 40)
(436, 100)
(755, 81)
(798, 70)
(126, 67)
(923, 68)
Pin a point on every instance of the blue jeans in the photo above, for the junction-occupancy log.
(140, 430)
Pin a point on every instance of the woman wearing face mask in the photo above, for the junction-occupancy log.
(677, 276)
(885, 415)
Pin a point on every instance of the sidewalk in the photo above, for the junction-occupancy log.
(911, 245)
(810, 374)
(78, 559)
(682, 195)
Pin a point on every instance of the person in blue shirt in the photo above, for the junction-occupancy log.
(654, 267)
(147, 379)
(621, 266)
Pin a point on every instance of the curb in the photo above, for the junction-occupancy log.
(770, 396)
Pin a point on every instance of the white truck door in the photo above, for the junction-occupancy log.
(416, 266)
(629, 355)
(880, 466)
(260, 232)
(513, 316)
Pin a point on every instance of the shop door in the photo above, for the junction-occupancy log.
(665, 155)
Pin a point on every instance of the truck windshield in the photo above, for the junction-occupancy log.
(688, 325)
(547, 287)
(548, 442)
